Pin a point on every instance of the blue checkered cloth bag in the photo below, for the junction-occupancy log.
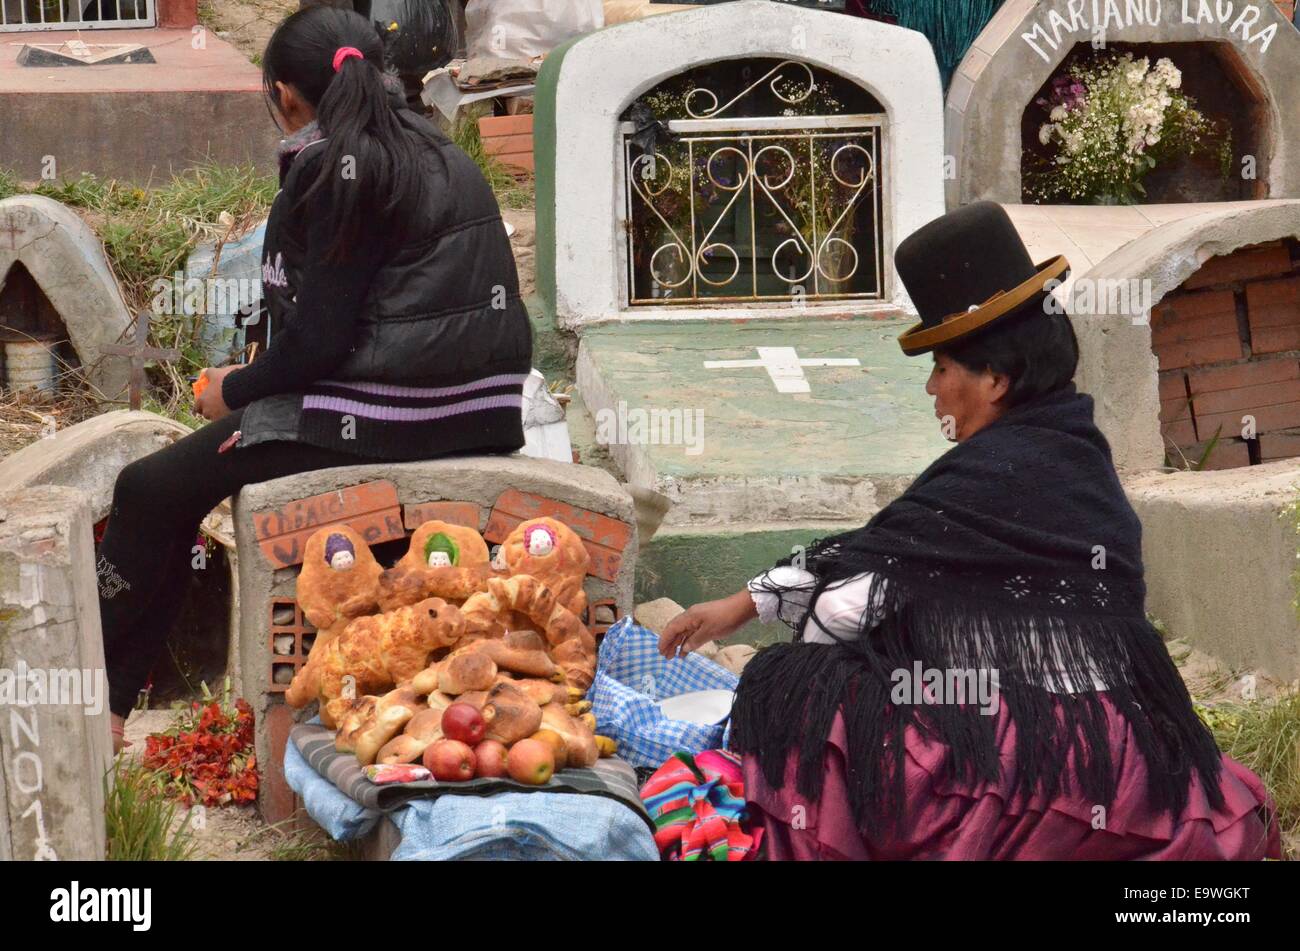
(631, 675)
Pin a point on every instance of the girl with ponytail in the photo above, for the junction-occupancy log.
(396, 327)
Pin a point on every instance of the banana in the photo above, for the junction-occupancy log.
(607, 746)
(578, 707)
(590, 720)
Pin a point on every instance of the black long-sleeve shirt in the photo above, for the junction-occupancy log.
(323, 329)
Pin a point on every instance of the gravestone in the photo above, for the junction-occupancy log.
(1028, 40)
(730, 277)
(50, 243)
(54, 737)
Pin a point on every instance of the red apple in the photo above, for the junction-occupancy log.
(491, 756)
(450, 761)
(464, 722)
(531, 761)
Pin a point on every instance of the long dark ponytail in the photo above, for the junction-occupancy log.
(372, 154)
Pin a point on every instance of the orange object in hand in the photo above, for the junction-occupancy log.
(199, 385)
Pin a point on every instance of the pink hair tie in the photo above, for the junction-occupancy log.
(345, 52)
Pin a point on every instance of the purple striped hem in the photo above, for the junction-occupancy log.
(412, 414)
(392, 389)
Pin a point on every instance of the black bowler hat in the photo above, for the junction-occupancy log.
(965, 271)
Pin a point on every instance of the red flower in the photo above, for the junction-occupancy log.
(208, 758)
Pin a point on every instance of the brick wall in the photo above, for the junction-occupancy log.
(1228, 347)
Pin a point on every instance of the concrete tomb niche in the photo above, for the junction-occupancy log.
(1240, 60)
(88, 455)
(56, 286)
(738, 343)
(1215, 286)
(586, 87)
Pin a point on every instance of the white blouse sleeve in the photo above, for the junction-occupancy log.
(796, 585)
(839, 608)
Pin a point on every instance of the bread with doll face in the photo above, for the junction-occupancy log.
(443, 561)
(339, 580)
(551, 552)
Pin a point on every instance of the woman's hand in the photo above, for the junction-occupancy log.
(210, 404)
(704, 622)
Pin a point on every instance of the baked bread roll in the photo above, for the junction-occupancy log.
(578, 739)
(379, 723)
(510, 714)
(420, 732)
(377, 652)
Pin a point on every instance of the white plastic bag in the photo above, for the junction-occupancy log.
(523, 29)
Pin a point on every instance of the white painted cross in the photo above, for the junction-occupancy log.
(783, 366)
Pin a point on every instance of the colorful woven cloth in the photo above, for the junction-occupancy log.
(697, 803)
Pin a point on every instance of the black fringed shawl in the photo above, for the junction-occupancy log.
(1016, 551)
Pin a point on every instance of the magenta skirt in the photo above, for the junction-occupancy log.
(951, 820)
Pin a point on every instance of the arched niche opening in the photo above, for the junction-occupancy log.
(1221, 86)
(1227, 345)
(30, 327)
(754, 180)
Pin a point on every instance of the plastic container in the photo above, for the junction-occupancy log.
(30, 365)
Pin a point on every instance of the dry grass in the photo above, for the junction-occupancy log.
(26, 417)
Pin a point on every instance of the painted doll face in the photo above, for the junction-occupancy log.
(339, 553)
(540, 541)
(440, 551)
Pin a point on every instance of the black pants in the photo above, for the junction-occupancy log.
(145, 556)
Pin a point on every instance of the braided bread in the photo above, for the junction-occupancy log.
(572, 647)
(378, 651)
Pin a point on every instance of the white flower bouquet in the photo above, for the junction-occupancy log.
(1112, 120)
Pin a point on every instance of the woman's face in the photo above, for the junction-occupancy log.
(965, 401)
